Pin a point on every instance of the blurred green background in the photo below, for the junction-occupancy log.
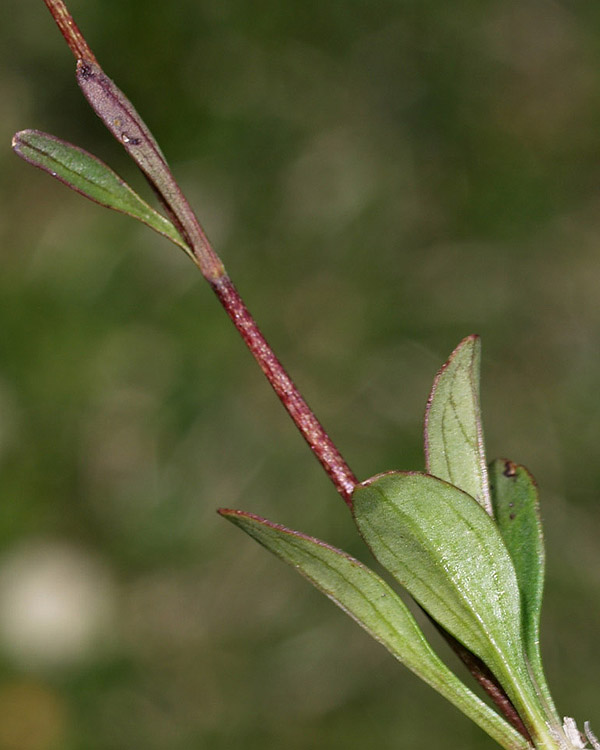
(381, 179)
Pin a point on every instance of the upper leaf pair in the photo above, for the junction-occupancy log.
(92, 178)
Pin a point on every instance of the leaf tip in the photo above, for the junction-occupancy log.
(242, 515)
(227, 512)
(18, 139)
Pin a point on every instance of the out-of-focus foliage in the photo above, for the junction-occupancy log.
(381, 180)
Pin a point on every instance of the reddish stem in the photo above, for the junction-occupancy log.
(318, 440)
(69, 29)
(486, 679)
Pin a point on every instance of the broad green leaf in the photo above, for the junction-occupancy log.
(377, 608)
(454, 447)
(89, 176)
(517, 513)
(441, 545)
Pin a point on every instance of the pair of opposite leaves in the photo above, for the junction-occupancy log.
(467, 547)
(469, 550)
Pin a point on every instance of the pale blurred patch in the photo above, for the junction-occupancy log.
(332, 180)
(57, 605)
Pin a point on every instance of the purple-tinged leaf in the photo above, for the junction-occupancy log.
(121, 118)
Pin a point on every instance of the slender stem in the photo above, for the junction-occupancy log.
(69, 29)
(319, 441)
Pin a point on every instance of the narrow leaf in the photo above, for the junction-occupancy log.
(377, 608)
(454, 446)
(89, 176)
(442, 546)
(516, 510)
(121, 118)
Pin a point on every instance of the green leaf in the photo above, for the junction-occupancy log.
(454, 446)
(377, 608)
(441, 545)
(89, 176)
(516, 510)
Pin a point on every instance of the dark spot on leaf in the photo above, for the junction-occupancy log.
(512, 516)
(85, 71)
(129, 140)
(510, 469)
